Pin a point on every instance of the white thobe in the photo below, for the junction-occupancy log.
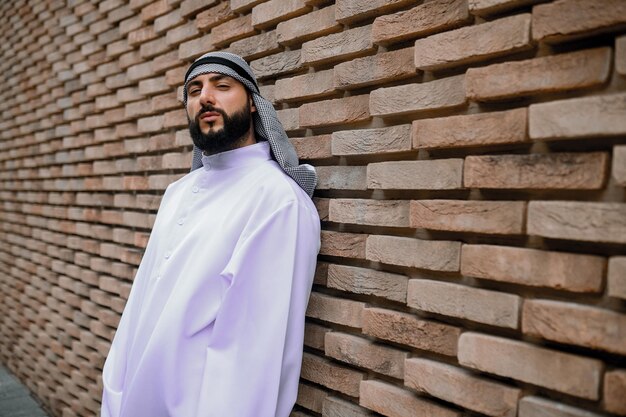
(214, 323)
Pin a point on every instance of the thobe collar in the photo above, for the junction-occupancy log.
(244, 156)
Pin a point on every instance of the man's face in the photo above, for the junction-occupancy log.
(219, 112)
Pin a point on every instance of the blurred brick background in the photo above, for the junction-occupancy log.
(472, 163)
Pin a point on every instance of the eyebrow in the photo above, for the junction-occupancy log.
(213, 78)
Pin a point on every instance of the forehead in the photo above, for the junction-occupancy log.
(211, 77)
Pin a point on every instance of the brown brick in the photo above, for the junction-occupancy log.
(435, 255)
(461, 387)
(310, 397)
(346, 245)
(289, 118)
(277, 64)
(241, 6)
(549, 74)
(425, 19)
(304, 87)
(579, 117)
(327, 374)
(473, 43)
(614, 389)
(232, 30)
(537, 171)
(337, 111)
(190, 8)
(495, 217)
(271, 12)
(313, 147)
(480, 129)
(341, 178)
(314, 335)
(338, 46)
(587, 221)
(367, 281)
(489, 7)
(454, 300)
(214, 16)
(619, 164)
(616, 277)
(440, 94)
(558, 270)
(562, 372)
(372, 141)
(194, 48)
(363, 353)
(392, 401)
(311, 25)
(390, 213)
(409, 330)
(440, 174)
(537, 406)
(375, 69)
(349, 11)
(335, 407)
(256, 46)
(575, 324)
(573, 19)
(335, 310)
(620, 55)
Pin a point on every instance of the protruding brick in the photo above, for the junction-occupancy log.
(488, 7)
(616, 277)
(436, 255)
(310, 397)
(277, 64)
(289, 118)
(461, 387)
(578, 220)
(349, 11)
(232, 30)
(575, 324)
(573, 19)
(474, 43)
(195, 47)
(585, 171)
(338, 46)
(549, 74)
(563, 372)
(440, 174)
(441, 94)
(619, 164)
(475, 304)
(335, 310)
(496, 217)
(303, 28)
(536, 406)
(271, 12)
(392, 401)
(392, 213)
(365, 354)
(337, 111)
(407, 329)
(614, 389)
(255, 46)
(307, 86)
(341, 178)
(367, 281)
(192, 7)
(314, 335)
(327, 374)
(214, 16)
(533, 267)
(313, 147)
(335, 407)
(346, 245)
(425, 19)
(480, 129)
(598, 116)
(620, 55)
(375, 69)
(372, 141)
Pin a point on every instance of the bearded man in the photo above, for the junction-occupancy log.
(214, 323)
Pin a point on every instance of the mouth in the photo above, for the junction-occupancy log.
(209, 116)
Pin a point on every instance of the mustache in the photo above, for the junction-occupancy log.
(209, 107)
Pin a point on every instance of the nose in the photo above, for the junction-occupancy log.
(207, 96)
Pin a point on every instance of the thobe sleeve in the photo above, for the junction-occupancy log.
(254, 354)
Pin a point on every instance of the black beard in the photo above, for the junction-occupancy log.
(228, 137)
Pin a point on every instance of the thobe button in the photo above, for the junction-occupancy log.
(195, 189)
(181, 221)
(158, 277)
(168, 254)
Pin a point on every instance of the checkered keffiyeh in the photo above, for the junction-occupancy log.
(266, 123)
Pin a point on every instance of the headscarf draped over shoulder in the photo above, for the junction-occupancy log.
(266, 124)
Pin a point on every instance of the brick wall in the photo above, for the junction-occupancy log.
(472, 163)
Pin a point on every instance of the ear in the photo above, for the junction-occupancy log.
(252, 106)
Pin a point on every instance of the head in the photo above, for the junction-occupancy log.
(219, 112)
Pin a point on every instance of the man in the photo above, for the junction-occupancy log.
(214, 323)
